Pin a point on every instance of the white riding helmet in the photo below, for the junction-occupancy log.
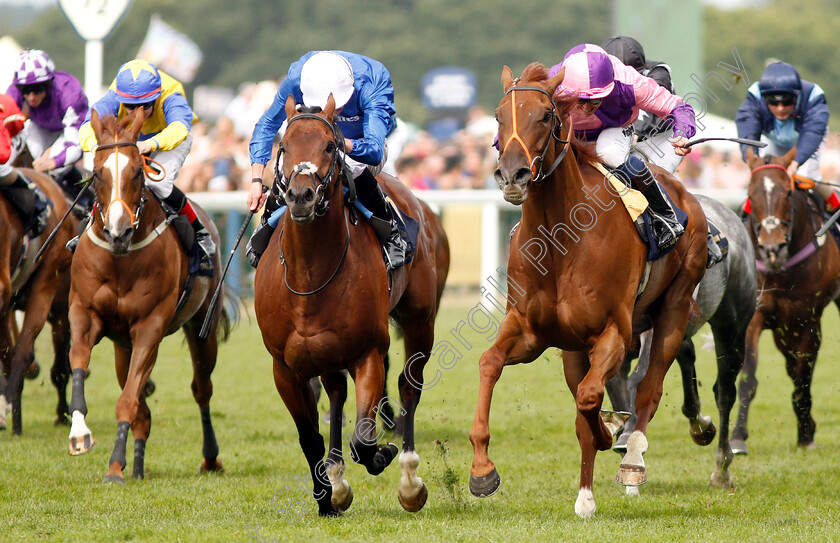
(326, 73)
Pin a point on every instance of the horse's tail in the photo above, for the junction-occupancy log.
(229, 316)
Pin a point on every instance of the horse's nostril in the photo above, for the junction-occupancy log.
(523, 175)
(309, 195)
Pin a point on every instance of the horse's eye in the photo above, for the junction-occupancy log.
(546, 117)
(330, 147)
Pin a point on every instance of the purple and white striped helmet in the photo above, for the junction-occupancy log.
(589, 72)
(34, 66)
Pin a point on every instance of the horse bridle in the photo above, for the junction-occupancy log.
(135, 224)
(538, 174)
(308, 168)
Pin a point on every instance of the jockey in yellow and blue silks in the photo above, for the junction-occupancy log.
(164, 136)
(365, 112)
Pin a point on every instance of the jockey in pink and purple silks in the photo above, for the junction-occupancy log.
(610, 96)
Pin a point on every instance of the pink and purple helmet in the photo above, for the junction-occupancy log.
(34, 66)
(589, 72)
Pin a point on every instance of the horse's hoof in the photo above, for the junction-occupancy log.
(812, 446)
(614, 420)
(415, 504)
(150, 387)
(331, 512)
(33, 371)
(486, 485)
(703, 431)
(738, 446)
(620, 445)
(630, 475)
(215, 468)
(81, 444)
(342, 496)
(722, 480)
(113, 478)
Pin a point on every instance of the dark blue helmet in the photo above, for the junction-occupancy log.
(780, 78)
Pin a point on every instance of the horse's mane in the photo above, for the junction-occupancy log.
(538, 72)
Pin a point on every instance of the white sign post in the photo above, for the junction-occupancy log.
(94, 20)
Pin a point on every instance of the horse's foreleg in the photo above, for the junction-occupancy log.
(800, 346)
(204, 353)
(729, 348)
(333, 473)
(747, 384)
(86, 330)
(418, 345)
(515, 344)
(60, 372)
(300, 401)
(37, 308)
(117, 462)
(670, 321)
(701, 427)
(364, 448)
(5, 395)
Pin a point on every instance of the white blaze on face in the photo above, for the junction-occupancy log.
(116, 164)
(768, 189)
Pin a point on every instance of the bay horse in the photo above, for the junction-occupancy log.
(798, 276)
(130, 283)
(40, 290)
(726, 300)
(323, 301)
(588, 298)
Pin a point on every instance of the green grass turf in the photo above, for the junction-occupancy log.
(782, 493)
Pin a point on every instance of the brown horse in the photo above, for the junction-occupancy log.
(589, 297)
(798, 276)
(130, 283)
(40, 290)
(323, 301)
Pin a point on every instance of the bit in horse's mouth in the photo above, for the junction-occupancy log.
(303, 219)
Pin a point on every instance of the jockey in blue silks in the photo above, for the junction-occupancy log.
(789, 112)
(365, 113)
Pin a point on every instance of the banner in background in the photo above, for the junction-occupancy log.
(170, 50)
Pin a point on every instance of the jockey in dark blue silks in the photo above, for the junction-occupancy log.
(789, 112)
(366, 115)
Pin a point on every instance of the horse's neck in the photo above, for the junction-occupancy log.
(319, 243)
(806, 224)
(551, 200)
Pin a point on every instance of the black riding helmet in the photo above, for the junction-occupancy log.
(627, 50)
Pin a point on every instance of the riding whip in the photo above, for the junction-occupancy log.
(743, 141)
(64, 218)
(828, 223)
(205, 327)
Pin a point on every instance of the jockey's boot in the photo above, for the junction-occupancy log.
(261, 237)
(203, 239)
(394, 247)
(29, 200)
(714, 253)
(666, 228)
(73, 243)
(72, 180)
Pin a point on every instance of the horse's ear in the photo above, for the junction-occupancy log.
(788, 157)
(291, 107)
(133, 130)
(752, 158)
(507, 78)
(95, 123)
(555, 81)
(329, 109)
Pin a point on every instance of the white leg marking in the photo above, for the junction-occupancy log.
(340, 486)
(78, 428)
(5, 409)
(636, 446)
(410, 483)
(585, 504)
(631, 491)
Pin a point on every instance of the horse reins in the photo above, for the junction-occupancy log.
(334, 273)
(538, 174)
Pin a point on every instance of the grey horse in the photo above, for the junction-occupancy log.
(726, 299)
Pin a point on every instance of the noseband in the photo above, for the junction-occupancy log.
(537, 173)
(308, 168)
(135, 222)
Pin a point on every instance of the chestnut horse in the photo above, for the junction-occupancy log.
(798, 276)
(130, 283)
(589, 297)
(40, 290)
(322, 303)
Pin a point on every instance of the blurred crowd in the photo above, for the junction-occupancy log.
(219, 158)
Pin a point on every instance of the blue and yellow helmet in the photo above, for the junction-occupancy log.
(138, 82)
